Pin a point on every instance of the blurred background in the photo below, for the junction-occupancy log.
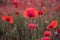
(19, 30)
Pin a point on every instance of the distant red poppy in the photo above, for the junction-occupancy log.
(15, 2)
(7, 18)
(58, 30)
(30, 13)
(47, 33)
(53, 24)
(45, 38)
(15, 5)
(58, 8)
(41, 12)
(17, 13)
(32, 26)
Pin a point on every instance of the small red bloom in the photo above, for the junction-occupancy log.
(30, 12)
(45, 38)
(15, 2)
(32, 26)
(47, 33)
(53, 24)
(17, 13)
(15, 5)
(7, 18)
(58, 31)
(41, 12)
(58, 8)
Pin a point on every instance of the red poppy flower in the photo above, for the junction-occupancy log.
(58, 31)
(32, 26)
(45, 38)
(58, 8)
(17, 13)
(53, 24)
(30, 12)
(47, 33)
(15, 2)
(7, 18)
(41, 12)
(15, 5)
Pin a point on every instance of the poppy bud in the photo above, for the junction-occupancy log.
(32, 26)
(47, 33)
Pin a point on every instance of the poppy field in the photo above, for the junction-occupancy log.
(29, 19)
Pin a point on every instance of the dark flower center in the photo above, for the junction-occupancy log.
(50, 27)
(7, 19)
(30, 13)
